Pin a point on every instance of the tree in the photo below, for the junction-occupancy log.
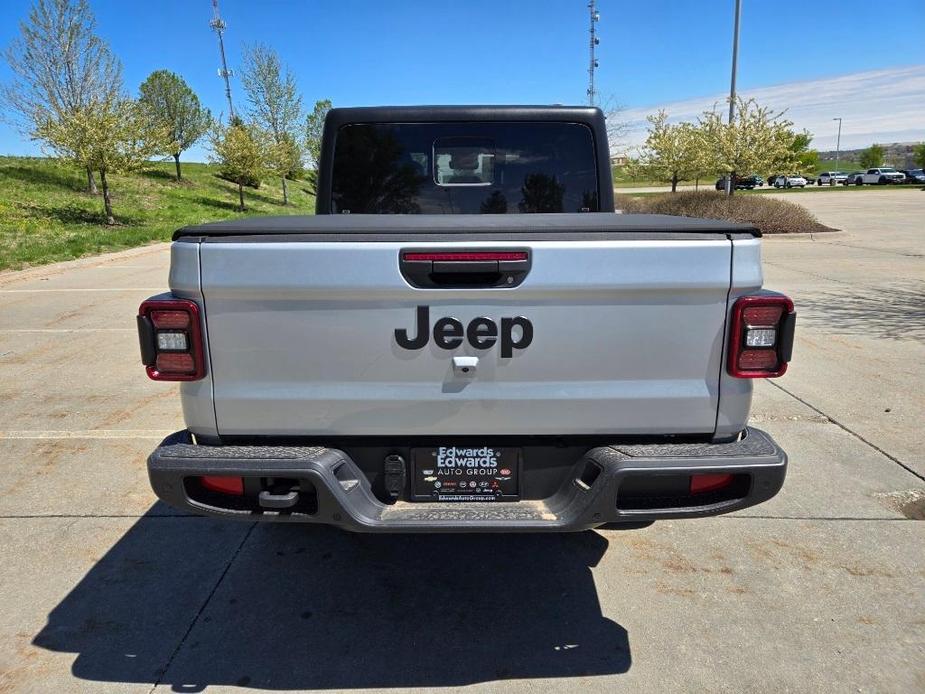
(275, 107)
(284, 158)
(807, 159)
(239, 149)
(615, 125)
(314, 130)
(169, 103)
(59, 66)
(918, 154)
(871, 157)
(758, 139)
(105, 136)
(671, 152)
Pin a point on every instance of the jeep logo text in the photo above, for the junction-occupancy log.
(482, 333)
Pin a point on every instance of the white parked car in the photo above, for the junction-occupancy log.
(790, 181)
(883, 175)
(831, 178)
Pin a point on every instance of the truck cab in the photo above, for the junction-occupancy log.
(466, 338)
(882, 175)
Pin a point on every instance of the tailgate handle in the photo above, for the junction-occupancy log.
(444, 269)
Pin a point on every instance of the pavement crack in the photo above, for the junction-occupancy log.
(873, 250)
(845, 428)
(78, 516)
(809, 273)
(202, 609)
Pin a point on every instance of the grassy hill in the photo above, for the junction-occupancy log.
(45, 215)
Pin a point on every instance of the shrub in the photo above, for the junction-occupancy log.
(768, 215)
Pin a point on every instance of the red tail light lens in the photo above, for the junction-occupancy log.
(177, 363)
(170, 319)
(170, 333)
(761, 336)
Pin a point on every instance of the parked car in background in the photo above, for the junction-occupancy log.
(916, 176)
(853, 179)
(831, 178)
(790, 181)
(882, 175)
(741, 182)
(810, 179)
(772, 179)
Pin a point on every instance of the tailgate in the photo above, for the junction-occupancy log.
(627, 338)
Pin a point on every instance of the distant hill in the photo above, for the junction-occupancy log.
(46, 215)
(898, 154)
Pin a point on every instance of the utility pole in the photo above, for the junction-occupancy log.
(595, 17)
(218, 26)
(732, 86)
(837, 143)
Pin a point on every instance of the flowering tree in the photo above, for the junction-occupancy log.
(671, 152)
(757, 139)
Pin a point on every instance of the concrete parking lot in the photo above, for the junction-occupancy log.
(822, 589)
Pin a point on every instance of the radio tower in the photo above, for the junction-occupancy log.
(218, 26)
(595, 18)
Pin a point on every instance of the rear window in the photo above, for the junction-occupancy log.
(464, 168)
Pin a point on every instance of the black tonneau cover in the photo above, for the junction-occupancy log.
(551, 227)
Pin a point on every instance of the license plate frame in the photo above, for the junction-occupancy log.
(478, 473)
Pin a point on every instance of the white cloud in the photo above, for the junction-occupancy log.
(876, 106)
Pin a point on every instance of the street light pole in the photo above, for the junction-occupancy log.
(837, 143)
(732, 85)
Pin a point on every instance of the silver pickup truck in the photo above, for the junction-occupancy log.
(466, 337)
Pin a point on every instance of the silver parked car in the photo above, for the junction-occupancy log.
(831, 178)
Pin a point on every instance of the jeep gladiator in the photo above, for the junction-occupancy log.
(466, 337)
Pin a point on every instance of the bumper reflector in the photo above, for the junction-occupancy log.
(709, 483)
(224, 485)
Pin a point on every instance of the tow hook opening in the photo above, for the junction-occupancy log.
(589, 474)
(675, 491)
(233, 493)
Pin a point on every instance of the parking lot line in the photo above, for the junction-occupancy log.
(66, 290)
(156, 434)
(67, 330)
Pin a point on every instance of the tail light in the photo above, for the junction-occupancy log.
(170, 335)
(761, 337)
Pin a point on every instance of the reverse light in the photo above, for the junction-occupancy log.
(761, 336)
(170, 341)
(170, 335)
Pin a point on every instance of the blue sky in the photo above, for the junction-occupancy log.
(653, 53)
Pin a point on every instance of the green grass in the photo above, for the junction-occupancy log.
(621, 179)
(843, 165)
(45, 215)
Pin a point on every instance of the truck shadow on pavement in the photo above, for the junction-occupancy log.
(191, 602)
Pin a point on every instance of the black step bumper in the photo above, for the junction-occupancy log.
(608, 484)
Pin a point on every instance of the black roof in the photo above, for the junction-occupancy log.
(429, 114)
(357, 227)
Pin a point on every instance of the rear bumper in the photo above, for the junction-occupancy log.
(603, 487)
